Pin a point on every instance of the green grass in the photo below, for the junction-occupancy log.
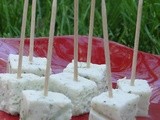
(121, 20)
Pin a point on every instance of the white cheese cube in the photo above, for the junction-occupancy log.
(36, 106)
(80, 92)
(140, 88)
(37, 67)
(96, 73)
(11, 88)
(122, 106)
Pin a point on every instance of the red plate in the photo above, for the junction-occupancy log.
(121, 58)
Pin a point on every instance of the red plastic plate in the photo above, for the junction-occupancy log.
(121, 59)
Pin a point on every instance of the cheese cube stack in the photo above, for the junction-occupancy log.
(80, 92)
(96, 73)
(11, 88)
(36, 106)
(122, 106)
(37, 67)
(142, 89)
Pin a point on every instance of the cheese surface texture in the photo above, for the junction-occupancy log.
(140, 88)
(11, 88)
(80, 92)
(36, 106)
(96, 73)
(37, 67)
(122, 106)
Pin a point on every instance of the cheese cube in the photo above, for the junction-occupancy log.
(96, 73)
(142, 89)
(122, 106)
(80, 92)
(36, 106)
(37, 67)
(11, 88)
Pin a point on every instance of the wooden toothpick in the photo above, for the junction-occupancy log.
(50, 45)
(76, 2)
(90, 33)
(32, 31)
(23, 31)
(106, 47)
(136, 42)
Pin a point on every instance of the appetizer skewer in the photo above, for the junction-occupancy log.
(137, 86)
(80, 90)
(113, 104)
(93, 72)
(46, 105)
(27, 64)
(13, 84)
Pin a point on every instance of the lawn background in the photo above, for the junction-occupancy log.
(121, 20)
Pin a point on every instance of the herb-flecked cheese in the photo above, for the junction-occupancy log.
(140, 88)
(95, 72)
(37, 67)
(122, 106)
(80, 92)
(11, 88)
(36, 106)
